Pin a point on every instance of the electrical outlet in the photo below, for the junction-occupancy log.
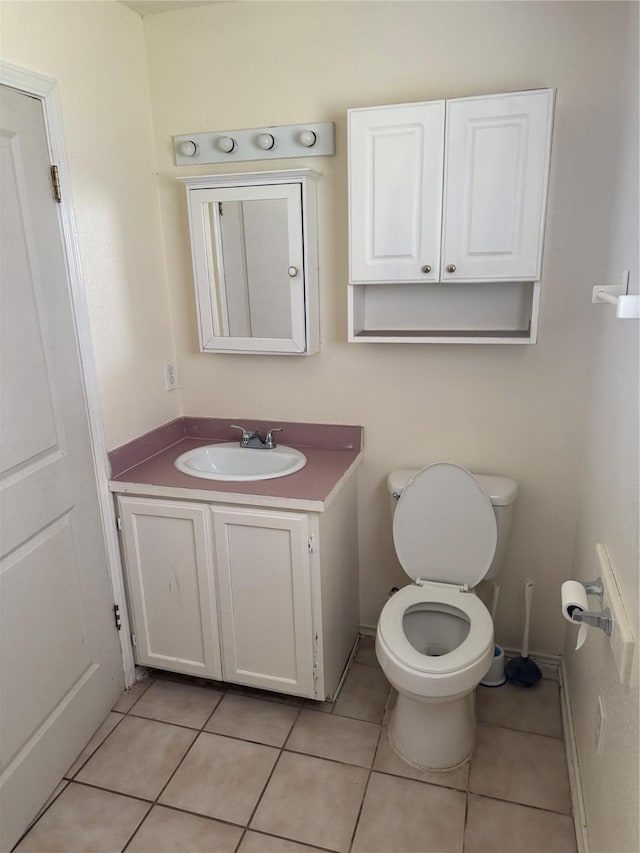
(170, 376)
(600, 725)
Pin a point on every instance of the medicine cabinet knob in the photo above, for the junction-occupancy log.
(451, 268)
(426, 268)
(293, 272)
(188, 149)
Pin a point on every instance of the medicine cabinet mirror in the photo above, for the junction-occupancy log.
(253, 243)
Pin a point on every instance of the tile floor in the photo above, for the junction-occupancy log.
(186, 767)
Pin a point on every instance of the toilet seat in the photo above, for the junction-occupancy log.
(473, 647)
(444, 526)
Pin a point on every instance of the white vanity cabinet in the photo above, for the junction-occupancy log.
(262, 597)
(446, 215)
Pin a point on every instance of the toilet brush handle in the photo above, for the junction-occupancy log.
(528, 597)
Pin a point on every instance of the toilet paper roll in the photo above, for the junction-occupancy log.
(574, 596)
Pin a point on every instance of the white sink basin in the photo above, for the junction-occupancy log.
(229, 461)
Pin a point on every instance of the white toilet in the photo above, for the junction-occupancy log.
(434, 639)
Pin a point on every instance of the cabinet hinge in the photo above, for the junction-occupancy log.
(116, 616)
(119, 523)
(55, 182)
(310, 544)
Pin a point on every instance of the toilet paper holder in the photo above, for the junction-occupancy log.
(599, 619)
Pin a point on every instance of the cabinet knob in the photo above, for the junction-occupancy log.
(293, 272)
(451, 268)
(426, 268)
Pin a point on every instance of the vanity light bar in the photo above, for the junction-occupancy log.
(260, 143)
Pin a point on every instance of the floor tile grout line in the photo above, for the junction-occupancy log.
(364, 794)
(156, 801)
(520, 731)
(104, 740)
(135, 831)
(568, 814)
(266, 784)
(43, 812)
(464, 823)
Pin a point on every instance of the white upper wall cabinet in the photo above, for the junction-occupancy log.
(395, 175)
(448, 193)
(495, 186)
(255, 261)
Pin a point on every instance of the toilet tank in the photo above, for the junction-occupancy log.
(501, 491)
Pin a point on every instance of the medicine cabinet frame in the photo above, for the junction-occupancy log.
(207, 196)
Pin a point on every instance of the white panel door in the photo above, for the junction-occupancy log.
(60, 660)
(264, 585)
(169, 572)
(395, 192)
(496, 174)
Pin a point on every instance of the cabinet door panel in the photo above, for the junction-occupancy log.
(168, 554)
(265, 599)
(496, 172)
(395, 175)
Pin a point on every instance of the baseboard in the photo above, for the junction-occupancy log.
(573, 765)
(367, 630)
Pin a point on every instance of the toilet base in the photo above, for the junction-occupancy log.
(435, 735)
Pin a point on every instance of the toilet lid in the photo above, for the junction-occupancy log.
(444, 526)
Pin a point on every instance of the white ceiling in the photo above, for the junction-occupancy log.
(154, 7)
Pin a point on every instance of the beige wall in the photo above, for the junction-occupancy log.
(609, 509)
(503, 409)
(96, 53)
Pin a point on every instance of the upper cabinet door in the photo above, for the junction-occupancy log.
(496, 175)
(395, 192)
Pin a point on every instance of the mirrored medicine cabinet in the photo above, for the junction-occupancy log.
(255, 261)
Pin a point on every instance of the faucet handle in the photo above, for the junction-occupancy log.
(270, 441)
(246, 435)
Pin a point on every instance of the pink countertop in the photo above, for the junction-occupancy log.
(145, 465)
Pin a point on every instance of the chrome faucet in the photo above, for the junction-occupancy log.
(253, 439)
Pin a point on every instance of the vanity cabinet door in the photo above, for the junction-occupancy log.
(395, 192)
(497, 166)
(264, 586)
(169, 570)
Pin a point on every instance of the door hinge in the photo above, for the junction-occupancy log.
(220, 213)
(133, 640)
(119, 523)
(116, 616)
(310, 544)
(55, 181)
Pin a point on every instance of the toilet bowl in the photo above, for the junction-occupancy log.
(434, 639)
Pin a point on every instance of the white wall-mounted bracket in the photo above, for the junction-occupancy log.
(627, 306)
(623, 645)
(258, 143)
